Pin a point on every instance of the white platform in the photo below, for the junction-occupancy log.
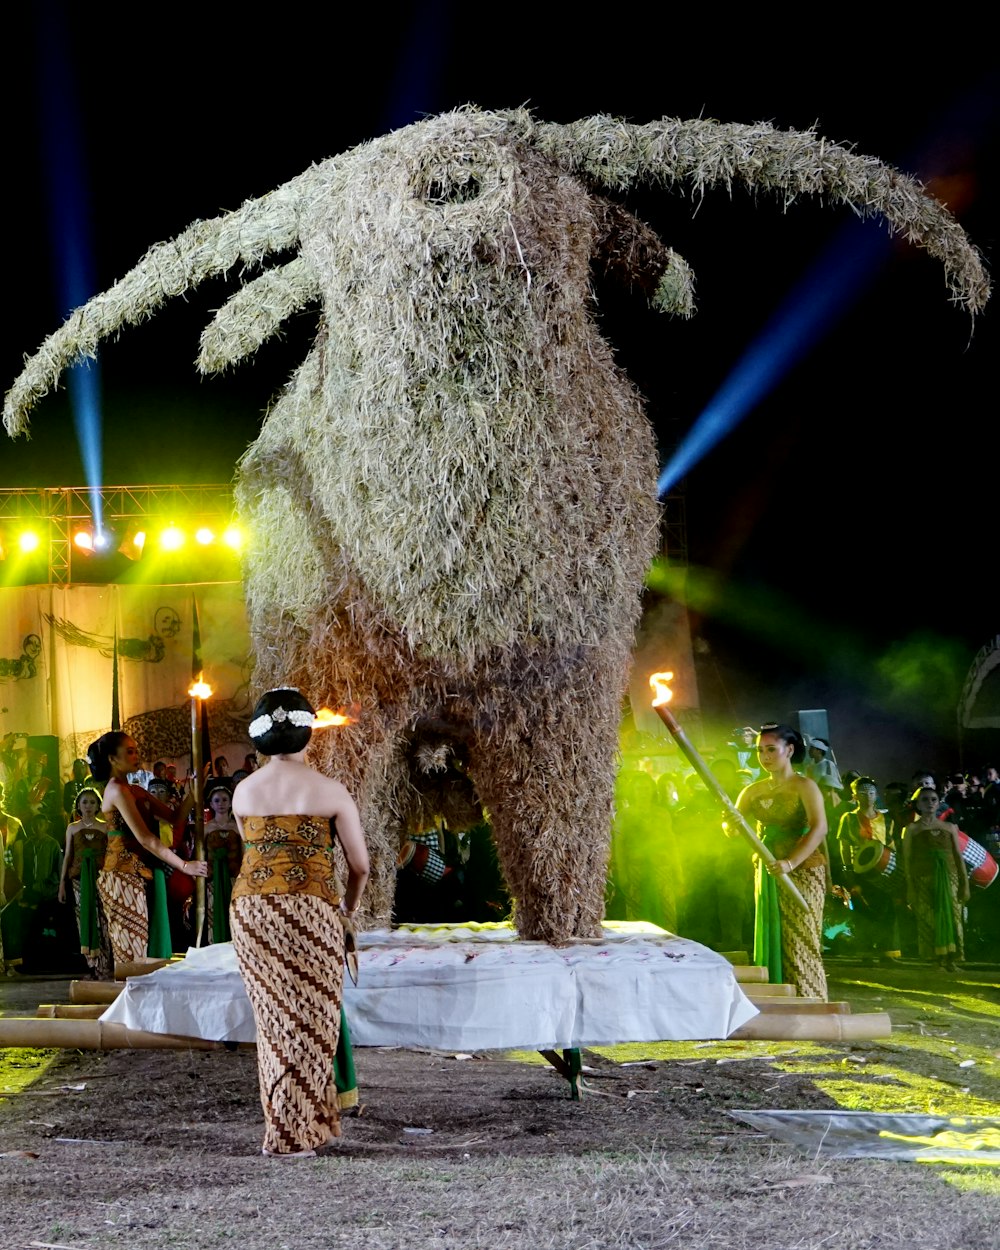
(474, 987)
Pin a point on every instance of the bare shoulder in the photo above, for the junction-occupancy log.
(113, 793)
(747, 793)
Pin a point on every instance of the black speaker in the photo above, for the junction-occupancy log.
(48, 746)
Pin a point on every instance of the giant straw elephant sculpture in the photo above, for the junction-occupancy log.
(453, 502)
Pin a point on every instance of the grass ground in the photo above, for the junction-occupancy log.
(160, 1149)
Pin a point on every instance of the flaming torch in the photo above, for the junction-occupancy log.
(198, 693)
(736, 819)
(327, 719)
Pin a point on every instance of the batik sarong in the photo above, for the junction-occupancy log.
(290, 949)
(123, 896)
(788, 940)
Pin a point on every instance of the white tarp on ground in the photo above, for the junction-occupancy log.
(911, 1138)
(474, 988)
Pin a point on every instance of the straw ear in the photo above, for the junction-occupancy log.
(205, 249)
(634, 254)
(702, 153)
(251, 316)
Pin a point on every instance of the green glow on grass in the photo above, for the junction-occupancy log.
(21, 1066)
(972, 1180)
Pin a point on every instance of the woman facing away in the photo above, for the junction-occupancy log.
(286, 922)
(134, 847)
(86, 847)
(791, 822)
(937, 881)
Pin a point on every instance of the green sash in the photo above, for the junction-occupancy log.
(343, 1068)
(222, 893)
(158, 944)
(90, 927)
(767, 919)
(945, 937)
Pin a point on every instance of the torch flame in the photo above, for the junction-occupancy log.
(658, 682)
(200, 689)
(326, 719)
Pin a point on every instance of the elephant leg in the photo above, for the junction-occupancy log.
(546, 775)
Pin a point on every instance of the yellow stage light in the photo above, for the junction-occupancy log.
(28, 541)
(204, 536)
(132, 544)
(84, 540)
(233, 537)
(172, 539)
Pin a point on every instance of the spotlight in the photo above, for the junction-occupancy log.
(84, 540)
(28, 541)
(102, 540)
(172, 539)
(132, 544)
(204, 536)
(233, 537)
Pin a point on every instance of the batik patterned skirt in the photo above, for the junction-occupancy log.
(290, 949)
(802, 933)
(123, 896)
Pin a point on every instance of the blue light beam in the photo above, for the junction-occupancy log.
(70, 229)
(832, 282)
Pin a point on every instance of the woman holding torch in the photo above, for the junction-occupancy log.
(791, 821)
(286, 921)
(134, 846)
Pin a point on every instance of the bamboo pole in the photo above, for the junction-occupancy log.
(139, 967)
(749, 973)
(736, 818)
(71, 1011)
(95, 1035)
(94, 991)
(199, 805)
(811, 1027)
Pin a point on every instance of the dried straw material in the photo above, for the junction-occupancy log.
(703, 154)
(453, 501)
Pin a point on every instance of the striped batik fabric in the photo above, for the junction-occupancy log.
(290, 949)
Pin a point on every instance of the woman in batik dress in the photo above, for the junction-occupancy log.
(224, 851)
(286, 921)
(791, 822)
(937, 882)
(86, 846)
(134, 846)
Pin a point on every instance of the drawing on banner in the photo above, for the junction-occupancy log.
(23, 666)
(151, 650)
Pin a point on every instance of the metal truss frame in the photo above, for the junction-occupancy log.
(60, 509)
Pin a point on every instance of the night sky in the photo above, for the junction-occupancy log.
(842, 539)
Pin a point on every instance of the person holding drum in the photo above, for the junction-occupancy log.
(937, 882)
(791, 821)
(867, 863)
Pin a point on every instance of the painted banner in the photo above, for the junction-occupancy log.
(57, 649)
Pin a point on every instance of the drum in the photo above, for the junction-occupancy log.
(423, 861)
(875, 858)
(982, 866)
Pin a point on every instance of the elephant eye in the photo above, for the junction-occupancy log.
(451, 186)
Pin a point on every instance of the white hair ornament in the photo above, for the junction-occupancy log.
(300, 718)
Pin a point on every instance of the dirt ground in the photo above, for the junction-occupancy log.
(158, 1149)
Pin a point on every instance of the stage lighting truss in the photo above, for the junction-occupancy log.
(57, 524)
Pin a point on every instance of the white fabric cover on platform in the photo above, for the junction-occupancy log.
(474, 987)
